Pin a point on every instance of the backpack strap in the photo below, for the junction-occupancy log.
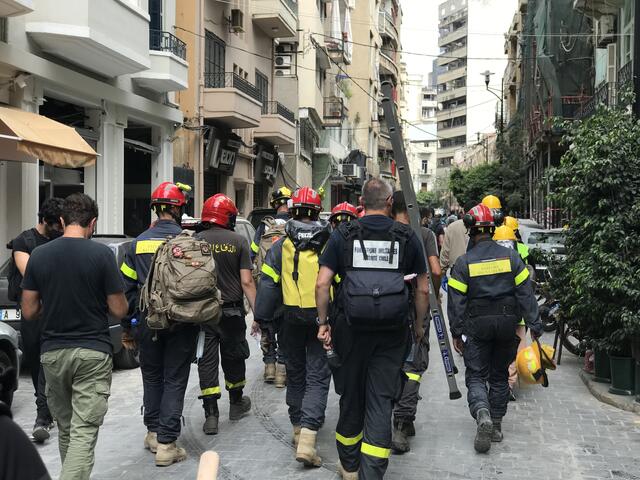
(30, 240)
(296, 262)
(400, 233)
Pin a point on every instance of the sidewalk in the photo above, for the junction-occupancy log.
(601, 392)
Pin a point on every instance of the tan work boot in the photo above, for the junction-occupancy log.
(296, 435)
(346, 475)
(269, 372)
(169, 453)
(151, 442)
(281, 376)
(306, 451)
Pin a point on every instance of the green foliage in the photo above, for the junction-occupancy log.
(598, 182)
(426, 199)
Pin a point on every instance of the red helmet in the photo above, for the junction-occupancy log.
(343, 212)
(360, 211)
(221, 210)
(478, 217)
(168, 193)
(306, 197)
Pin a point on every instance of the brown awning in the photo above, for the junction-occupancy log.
(26, 137)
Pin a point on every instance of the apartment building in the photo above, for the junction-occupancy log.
(240, 116)
(64, 61)
(468, 48)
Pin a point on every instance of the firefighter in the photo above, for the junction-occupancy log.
(489, 293)
(342, 212)
(371, 334)
(272, 352)
(228, 337)
(493, 203)
(166, 355)
(523, 250)
(289, 278)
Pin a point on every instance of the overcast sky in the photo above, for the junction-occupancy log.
(419, 33)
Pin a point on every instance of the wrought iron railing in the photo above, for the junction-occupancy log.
(386, 25)
(167, 42)
(600, 97)
(334, 108)
(232, 80)
(276, 108)
(625, 76)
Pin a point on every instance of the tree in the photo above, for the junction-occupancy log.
(426, 199)
(598, 182)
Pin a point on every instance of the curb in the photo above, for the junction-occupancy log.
(601, 392)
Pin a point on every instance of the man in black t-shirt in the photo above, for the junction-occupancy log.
(371, 333)
(22, 247)
(71, 285)
(228, 337)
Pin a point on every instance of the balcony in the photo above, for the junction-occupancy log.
(13, 8)
(453, 36)
(452, 74)
(452, 113)
(277, 125)
(387, 27)
(335, 111)
(388, 65)
(169, 70)
(109, 37)
(276, 18)
(231, 100)
(449, 57)
(451, 94)
(450, 132)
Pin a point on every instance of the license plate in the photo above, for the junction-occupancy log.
(10, 314)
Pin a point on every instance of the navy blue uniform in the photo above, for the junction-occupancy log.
(166, 355)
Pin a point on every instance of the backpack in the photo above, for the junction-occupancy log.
(14, 277)
(182, 284)
(274, 229)
(373, 292)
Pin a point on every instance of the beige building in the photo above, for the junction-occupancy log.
(240, 130)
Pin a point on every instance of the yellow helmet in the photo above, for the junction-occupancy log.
(280, 197)
(492, 202)
(531, 368)
(504, 233)
(512, 223)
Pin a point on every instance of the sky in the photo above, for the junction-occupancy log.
(419, 33)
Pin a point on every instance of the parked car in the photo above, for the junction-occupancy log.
(258, 214)
(243, 227)
(10, 313)
(10, 353)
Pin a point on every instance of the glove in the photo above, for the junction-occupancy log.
(536, 334)
(128, 342)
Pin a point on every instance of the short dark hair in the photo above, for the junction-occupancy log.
(51, 210)
(469, 204)
(79, 209)
(375, 193)
(399, 203)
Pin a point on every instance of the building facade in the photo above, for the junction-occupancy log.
(63, 61)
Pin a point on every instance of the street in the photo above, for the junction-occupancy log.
(557, 433)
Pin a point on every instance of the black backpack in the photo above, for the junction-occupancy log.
(14, 289)
(373, 294)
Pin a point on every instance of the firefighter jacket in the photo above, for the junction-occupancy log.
(491, 281)
(290, 269)
(139, 254)
(255, 245)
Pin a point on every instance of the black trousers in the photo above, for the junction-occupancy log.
(406, 407)
(271, 341)
(30, 332)
(308, 374)
(370, 381)
(487, 365)
(224, 343)
(165, 362)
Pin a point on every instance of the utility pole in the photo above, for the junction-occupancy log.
(487, 79)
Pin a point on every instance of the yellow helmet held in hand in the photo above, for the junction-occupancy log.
(492, 202)
(504, 233)
(512, 223)
(531, 368)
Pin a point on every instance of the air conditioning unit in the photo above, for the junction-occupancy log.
(285, 48)
(282, 64)
(348, 169)
(237, 20)
(612, 63)
(606, 30)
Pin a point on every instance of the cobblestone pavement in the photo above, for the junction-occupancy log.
(557, 433)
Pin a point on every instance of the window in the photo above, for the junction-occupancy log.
(262, 84)
(3, 29)
(424, 186)
(425, 166)
(214, 60)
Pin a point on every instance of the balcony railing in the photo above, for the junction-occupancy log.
(386, 25)
(232, 80)
(167, 42)
(625, 80)
(276, 108)
(601, 97)
(334, 108)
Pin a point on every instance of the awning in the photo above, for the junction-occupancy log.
(27, 137)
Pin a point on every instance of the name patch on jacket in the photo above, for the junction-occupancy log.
(490, 267)
(377, 255)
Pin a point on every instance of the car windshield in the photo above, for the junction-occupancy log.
(547, 237)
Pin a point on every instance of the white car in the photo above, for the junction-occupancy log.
(10, 354)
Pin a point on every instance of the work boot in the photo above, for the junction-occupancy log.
(281, 376)
(151, 442)
(410, 429)
(269, 372)
(400, 440)
(169, 453)
(296, 435)
(482, 443)
(239, 408)
(41, 429)
(497, 435)
(211, 415)
(346, 475)
(306, 451)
